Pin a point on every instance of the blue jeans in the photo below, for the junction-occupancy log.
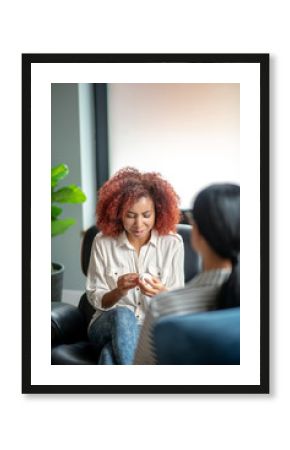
(115, 333)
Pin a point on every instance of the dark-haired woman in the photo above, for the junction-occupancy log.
(137, 215)
(216, 237)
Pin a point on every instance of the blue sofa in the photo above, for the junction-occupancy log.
(202, 338)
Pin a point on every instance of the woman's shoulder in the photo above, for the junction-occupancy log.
(101, 239)
(171, 238)
(175, 236)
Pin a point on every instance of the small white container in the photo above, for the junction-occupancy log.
(145, 276)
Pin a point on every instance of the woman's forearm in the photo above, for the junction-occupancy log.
(111, 298)
(124, 283)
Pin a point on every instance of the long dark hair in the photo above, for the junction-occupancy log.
(216, 212)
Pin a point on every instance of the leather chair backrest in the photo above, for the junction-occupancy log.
(192, 261)
(86, 248)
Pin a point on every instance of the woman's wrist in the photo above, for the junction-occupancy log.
(112, 297)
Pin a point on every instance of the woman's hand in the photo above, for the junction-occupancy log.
(127, 282)
(151, 286)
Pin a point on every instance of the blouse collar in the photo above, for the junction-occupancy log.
(123, 240)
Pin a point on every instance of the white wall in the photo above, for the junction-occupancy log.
(187, 132)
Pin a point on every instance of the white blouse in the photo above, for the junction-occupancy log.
(162, 256)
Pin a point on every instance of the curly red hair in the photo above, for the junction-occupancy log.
(127, 186)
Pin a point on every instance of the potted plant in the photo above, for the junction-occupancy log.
(65, 194)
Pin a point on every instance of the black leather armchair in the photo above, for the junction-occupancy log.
(69, 323)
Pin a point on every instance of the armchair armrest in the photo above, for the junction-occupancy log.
(211, 337)
(67, 324)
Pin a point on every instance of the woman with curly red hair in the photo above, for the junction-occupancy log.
(136, 255)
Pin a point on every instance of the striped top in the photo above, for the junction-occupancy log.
(198, 295)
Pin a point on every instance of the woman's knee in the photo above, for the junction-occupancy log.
(119, 319)
(124, 315)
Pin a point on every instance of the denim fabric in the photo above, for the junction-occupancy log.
(115, 332)
(107, 355)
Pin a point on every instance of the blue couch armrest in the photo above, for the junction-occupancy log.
(205, 338)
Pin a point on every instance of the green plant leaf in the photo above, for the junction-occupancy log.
(68, 194)
(55, 212)
(60, 226)
(58, 173)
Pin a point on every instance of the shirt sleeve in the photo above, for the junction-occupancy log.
(96, 283)
(176, 279)
(145, 352)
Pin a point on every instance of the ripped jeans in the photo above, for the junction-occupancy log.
(115, 333)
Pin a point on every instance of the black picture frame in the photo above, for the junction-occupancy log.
(27, 61)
